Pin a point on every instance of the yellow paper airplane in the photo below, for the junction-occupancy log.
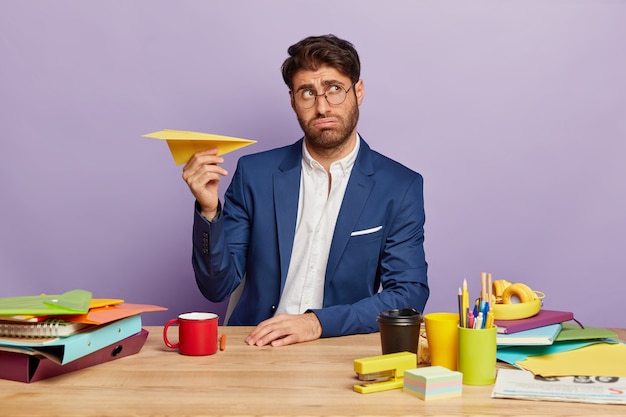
(184, 144)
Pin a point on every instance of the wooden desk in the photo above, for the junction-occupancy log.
(307, 379)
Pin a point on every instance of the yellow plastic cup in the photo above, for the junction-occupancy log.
(442, 335)
(477, 355)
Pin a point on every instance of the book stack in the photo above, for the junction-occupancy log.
(539, 330)
(559, 361)
(49, 335)
(583, 364)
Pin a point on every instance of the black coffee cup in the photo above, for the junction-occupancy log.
(399, 330)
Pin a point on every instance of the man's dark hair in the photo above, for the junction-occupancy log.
(316, 51)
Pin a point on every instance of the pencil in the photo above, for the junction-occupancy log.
(460, 301)
(465, 302)
(483, 286)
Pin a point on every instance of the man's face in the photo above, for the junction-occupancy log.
(327, 126)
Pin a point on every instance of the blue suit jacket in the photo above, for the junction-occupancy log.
(253, 237)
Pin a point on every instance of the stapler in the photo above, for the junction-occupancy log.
(383, 372)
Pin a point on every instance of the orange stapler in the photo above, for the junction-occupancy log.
(383, 372)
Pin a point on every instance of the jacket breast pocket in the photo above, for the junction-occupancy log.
(359, 263)
(371, 232)
(366, 239)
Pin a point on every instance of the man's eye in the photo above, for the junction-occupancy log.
(333, 89)
(308, 94)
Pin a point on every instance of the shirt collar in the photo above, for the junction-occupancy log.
(345, 164)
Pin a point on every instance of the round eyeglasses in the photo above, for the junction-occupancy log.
(334, 95)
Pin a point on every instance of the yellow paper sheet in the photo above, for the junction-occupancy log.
(103, 302)
(601, 359)
(184, 144)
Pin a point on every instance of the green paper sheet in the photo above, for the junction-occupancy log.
(571, 331)
(71, 302)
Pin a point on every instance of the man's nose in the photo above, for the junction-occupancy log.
(321, 104)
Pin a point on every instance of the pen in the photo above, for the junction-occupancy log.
(476, 307)
(490, 320)
(470, 320)
(478, 322)
(487, 310)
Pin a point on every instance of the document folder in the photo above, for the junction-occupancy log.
(70, 348)
(24, 367)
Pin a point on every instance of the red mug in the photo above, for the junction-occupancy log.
(197, 333)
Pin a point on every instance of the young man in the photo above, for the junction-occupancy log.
(326, 232)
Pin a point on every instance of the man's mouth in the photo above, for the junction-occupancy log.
(324, 123)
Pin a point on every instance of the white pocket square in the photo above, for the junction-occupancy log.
(366, 231)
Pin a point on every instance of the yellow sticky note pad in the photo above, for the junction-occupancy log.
(184, 144)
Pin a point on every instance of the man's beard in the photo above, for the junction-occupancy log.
(326, 139)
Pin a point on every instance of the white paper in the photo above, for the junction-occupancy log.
(523, 385)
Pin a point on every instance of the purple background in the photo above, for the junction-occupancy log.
(514, 112)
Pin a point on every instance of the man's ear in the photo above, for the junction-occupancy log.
(359, 90)
(292, 101)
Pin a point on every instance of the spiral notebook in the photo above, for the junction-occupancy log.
(49, 328)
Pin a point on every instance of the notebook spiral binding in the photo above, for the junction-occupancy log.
(46, 329)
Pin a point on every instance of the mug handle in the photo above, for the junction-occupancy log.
(167, 342)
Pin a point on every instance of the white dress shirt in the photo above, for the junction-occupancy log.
(318, 207)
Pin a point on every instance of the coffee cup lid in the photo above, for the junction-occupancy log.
(399, 315)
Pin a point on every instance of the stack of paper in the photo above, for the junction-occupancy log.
(48, 335)
(578, 358)
(571, 337)
(524, 385)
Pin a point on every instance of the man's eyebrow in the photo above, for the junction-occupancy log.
(332, 82)
(325, 83)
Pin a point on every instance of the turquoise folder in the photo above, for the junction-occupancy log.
(67, 349)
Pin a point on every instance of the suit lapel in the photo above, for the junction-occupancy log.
(357, 192)
(286, 193)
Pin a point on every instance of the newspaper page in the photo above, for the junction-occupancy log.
(523, 385)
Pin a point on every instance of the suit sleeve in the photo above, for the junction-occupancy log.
(219, 264)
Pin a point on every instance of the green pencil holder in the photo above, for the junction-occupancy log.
(477, 355)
